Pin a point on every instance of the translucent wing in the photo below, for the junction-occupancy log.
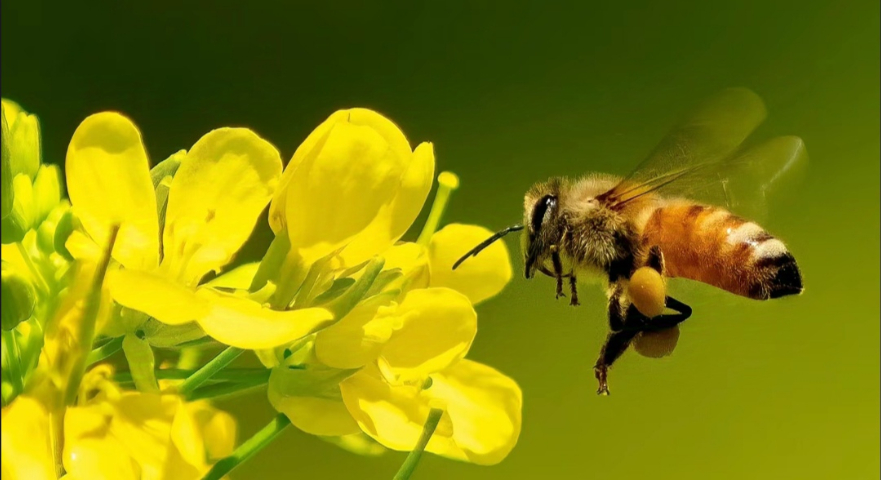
(703, 158)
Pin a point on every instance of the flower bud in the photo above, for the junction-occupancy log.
(24, 139)
(47, 192)
(19, 298)
(6, 171)
(21, 217)
(65, 226)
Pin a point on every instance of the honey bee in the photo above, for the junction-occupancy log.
(669, 217)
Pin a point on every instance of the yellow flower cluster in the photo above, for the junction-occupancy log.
(116, 434)
(365, 335)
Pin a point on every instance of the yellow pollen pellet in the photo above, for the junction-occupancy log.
(647, 291)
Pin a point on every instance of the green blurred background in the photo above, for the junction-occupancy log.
(510, 95)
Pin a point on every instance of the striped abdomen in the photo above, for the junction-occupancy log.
(711, 245)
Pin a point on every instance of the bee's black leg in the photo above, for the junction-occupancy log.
(663, 322)
(573, 288)
(558, 272)
(655, 259)
(616, 342)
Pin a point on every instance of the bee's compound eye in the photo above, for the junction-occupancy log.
(545, 205)
(647, 291)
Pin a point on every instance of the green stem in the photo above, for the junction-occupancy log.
(211, 368)
(225, 389)
(434, 416)
(446, 183)
(104, 351)
(228, 375)
(250, 448)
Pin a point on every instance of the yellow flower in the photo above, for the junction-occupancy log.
(223, 183)
(116, 434)
(353, 186)
(399, 354)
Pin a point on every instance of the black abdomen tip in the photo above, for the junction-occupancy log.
(786, 281)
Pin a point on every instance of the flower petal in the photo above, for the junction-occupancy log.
(157, 296)
(26, 453)
(339, 188)
(395, 219)
(202, 433)
(358, 338)
(89, 452)
(215, 198)
(310, 398)
(412, 259)
(309, 148)
(108, 180)
(438, 326)
(393, 415)
(317, 416)
(482, 276)
(243, 323)
(239, 278)
(484, 406)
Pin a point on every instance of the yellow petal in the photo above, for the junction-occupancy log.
(480, 277)
(484, 406)
(339, 188)
(26, 451)
(412, 259)
(310, 148)
(157, 296)
(201, 433)
(89, 452)
(310, 398)
(239, 278)
(438, 326)
(393, 415)
(316, 416)
(215, 198)
(358, 338)
(108, 180)
(243, 323)
(395, 219)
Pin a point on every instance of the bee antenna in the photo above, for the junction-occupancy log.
(489, 241)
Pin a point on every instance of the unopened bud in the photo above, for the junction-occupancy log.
(19, 298)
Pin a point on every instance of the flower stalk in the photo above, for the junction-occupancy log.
(218, 363)
(409, 465)
(249, 448)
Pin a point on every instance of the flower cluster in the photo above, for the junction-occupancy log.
(363, 336)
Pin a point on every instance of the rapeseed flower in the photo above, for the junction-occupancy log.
(214, 198)
(375, 369)
(111, 433)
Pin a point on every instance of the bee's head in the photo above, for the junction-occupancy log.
(543, 221)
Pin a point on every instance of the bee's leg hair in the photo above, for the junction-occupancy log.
(558, 272)
(616, 343)
(573, 288)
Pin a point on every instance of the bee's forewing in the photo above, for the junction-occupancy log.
(703, 158)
